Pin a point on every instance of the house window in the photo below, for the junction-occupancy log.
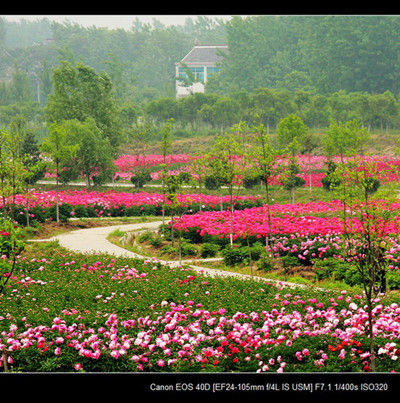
(198, 73)
(212, 70)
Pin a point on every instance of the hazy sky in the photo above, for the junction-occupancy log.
(111, 21)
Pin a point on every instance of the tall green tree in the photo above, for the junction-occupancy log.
(81, 93)
(291, 133)
(60, 151)
(93, 158)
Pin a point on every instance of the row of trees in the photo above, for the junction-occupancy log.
(381, 111)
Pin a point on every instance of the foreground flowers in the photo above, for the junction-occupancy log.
(189, 337)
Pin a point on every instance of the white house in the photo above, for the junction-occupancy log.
(202, 61)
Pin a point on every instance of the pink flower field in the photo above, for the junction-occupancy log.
(301, 219)
(112, 199)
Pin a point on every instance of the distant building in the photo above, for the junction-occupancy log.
(202, 61)
(44, 42)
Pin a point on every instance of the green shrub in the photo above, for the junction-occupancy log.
(156, 241)
(393, 279)
(192, 235)
(168, 249)
(352, 276)
(329, 181)
(250, 182)
(12, 237)
(188, 249)
(145, 236)
(80, 211)
(140, 178)
(289, 261)
(212, 182)
(209, 249)
(257, 250)
(64, 212)
(265, 263)
(335, 269)
(118, 233)
(232, 255)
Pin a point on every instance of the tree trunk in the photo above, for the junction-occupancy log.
(371, 337)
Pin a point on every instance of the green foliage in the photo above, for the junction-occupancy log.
(330, 180)
(145, 236)
(232, 255)
(265, 263)
(80, 93)
(291, 132)
(12, 238)
(209, 249)
(345, 138)
(393, 279)
(290, 179)
(156, 241)
(140, 178)
(335, 269)
(12, 243)
(168, 249)
(188, 249)
(250, 182)
(289, 261)
(13, 173)
(213, 182)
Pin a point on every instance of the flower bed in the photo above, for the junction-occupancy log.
(301, 219)
(312, 167)
(83, 203)
(301, 235)
(67, 312)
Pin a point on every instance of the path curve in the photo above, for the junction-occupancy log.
(94, 240)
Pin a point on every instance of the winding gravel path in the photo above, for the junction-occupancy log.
(94, 240)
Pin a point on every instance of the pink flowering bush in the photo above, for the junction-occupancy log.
(83, 203)
(299, 220)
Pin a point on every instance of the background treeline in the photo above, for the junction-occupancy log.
(321, 68)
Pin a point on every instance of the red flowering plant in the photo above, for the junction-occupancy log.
(11, 244)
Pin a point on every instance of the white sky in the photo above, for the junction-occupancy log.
(112, 21)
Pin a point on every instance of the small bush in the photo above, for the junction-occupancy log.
(257, 250)
(156, 241)
(289, 261)
(209, 250)
(232, 255)
(250, 182)
(168, 249)
(188, 250)
(212, 182)
(337, 270)
(265, 263)
(145, 236)
(140, 178)
(393, 279)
